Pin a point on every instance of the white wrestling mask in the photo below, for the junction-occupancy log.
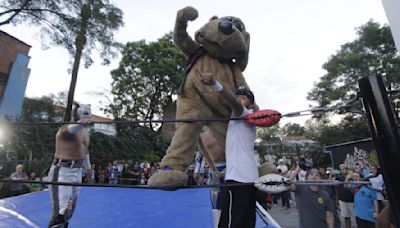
(84, 111)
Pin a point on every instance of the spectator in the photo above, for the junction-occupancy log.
(34, 187)
(365, 202)
(136, 174)
(103, 176)
(362, 167)
(331, 190)
(377, 183)
(199, 168)
(19, 188)
(143, 180)
(345, 197)
(283, 170)
(126, 175)
(113, 172)
(314, 205)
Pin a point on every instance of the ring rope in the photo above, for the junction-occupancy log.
(313, 111)
(270, 183)
(149, 121)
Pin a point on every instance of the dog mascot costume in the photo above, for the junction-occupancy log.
(220, 47)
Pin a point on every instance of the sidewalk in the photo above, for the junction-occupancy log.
(287, 219)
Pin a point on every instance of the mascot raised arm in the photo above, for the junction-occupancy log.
(221, 47)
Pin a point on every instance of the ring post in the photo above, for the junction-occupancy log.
(385, 135)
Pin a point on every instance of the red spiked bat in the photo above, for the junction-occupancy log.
(263, 118)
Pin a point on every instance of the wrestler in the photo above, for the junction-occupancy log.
(71, 155)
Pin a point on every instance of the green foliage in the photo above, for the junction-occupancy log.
(61, 22)
(33, 145)
(133, 142)
(292, 129)
(146, 79)
(372, 53)
(270, 142)
(349, 129)
(152, 156)
(269, 134)
(78, 26)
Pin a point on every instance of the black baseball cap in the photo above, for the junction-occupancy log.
(242, 90)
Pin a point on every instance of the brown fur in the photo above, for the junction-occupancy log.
(267, 168)
(226, 57)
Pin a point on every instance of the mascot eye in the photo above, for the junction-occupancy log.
(238, 25)
(225, 27)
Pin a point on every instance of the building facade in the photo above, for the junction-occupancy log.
(14, 75)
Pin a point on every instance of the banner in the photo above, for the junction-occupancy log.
(353, 154)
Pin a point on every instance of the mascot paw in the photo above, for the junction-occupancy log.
(188, 13)
(168, 179)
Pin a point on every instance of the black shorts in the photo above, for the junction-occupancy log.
(238, 206)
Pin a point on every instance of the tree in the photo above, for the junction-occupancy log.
(292, 129)
(326, 133)
(372, 53)
(269, 134)
(33, 144)
(79, 26)
(146, 80)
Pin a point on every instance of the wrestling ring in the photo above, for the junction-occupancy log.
(100, 205)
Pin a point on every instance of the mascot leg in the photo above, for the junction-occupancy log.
(178, 157)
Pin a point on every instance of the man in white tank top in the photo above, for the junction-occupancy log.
(238, 202)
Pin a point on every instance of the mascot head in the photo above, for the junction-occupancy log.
(225, 38)
(81, 111)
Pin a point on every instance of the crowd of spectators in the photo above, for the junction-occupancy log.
(362, 203)
(354, 201)
(125, 172)
(15, 189)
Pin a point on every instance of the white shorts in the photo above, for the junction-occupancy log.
(64, 197)
(346, 209)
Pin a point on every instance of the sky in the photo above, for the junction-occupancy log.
(290, 41)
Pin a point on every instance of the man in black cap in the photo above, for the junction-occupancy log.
(314, 205)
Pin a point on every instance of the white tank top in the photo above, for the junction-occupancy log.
(241, 165)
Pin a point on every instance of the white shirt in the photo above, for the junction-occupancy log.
(377, 183)
(241, 165)
(302, 175)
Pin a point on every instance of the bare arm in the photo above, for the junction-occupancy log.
(329, 219)
(383, 219)
(237, 108)
(376, 206)
(293, 176)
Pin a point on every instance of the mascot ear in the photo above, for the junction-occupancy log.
(243, 60)
(213, 18)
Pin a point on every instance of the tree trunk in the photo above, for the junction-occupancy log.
(80, 44)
